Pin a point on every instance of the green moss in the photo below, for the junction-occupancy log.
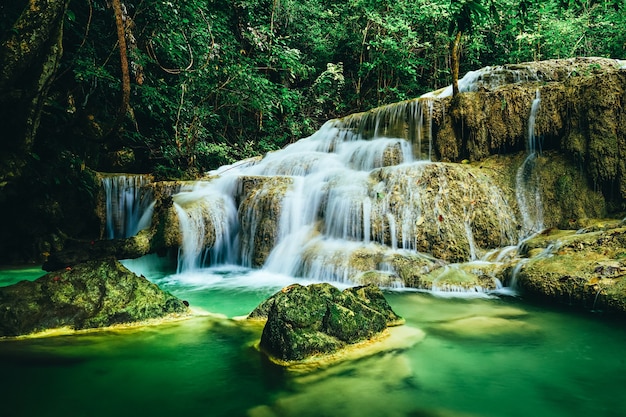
(319, 319)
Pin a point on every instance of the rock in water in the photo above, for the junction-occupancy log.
(89, 295)
(320, 319)
(584, 268)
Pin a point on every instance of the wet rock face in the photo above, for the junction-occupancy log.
(259, 215)
(581, 115)
(89, 295)
(447, 210)
(585, 270)
(320, 319)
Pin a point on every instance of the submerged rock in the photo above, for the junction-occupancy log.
(320, 320)
(89, 295)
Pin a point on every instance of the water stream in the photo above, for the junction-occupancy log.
(488, 357)
(128, 204)
(528, 188)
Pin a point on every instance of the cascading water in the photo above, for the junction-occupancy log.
(334, 206)
(129, 204)
(207, 219)
(528, 191)
(488, 78)
(363, 195)
(410, 120)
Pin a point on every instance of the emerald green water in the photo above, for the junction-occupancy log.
(494, 356)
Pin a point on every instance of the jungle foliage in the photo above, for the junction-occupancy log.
(215, 81)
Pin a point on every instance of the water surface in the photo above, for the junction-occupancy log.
(482, 356)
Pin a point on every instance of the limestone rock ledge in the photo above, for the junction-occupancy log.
(584, 269)
(318, 320)
(89, 295)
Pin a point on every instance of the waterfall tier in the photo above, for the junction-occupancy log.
(128, 204)
(381, 197)
(334, 207)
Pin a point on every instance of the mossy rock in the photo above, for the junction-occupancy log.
(585, 270)
(319, 320)
(446, 210)
(89, 295)
(461, 278)
(259, 213)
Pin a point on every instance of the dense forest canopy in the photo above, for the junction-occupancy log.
(176, 88)
(214, 81)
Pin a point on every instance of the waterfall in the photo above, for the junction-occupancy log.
(488, 78)
(527, 190)
(208, 225)
(533, 144)
(410, 122)
(192, 253)
(129, 204)
(468, 82)
(360, 198)
(334, 206)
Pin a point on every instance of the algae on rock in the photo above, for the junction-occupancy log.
(90, 295)
(319, 320)
(585, 269)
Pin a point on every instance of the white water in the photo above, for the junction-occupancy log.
(528, 189)
(207, 205)
(323, 195)
(487, 78)
(128, 205)
(356, 191)
(411, 120)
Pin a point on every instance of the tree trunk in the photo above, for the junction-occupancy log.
(121, 39)
(455, 59)
(29, 55)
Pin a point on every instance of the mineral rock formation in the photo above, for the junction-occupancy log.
(585, 269)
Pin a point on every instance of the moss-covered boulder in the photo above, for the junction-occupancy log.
(585, 269)
(412, 266)
(89, 295)
(319, 320)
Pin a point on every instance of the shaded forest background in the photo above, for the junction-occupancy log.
(202, 83)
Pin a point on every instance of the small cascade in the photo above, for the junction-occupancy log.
(545, 253)
(348, 208)
(329, 260)
(527, 190)
(129, 204)
(533, 143)
(192, 252)
(410, 121)
(468, 83)
(207, 218)
(489, 78)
